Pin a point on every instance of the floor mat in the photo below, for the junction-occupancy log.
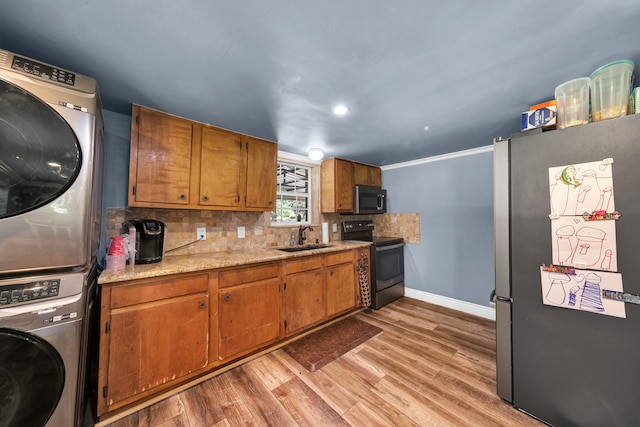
(321, 347)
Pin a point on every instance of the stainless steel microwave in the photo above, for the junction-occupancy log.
(369, 200)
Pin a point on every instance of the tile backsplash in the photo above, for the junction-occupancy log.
(222, 228)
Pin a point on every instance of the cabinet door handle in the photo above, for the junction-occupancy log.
(331, 274)
(182, 197)
(203, 304)
(227, 297)
(205, 198)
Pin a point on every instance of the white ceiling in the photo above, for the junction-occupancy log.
(275, 68)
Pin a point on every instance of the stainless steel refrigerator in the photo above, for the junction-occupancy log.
(565, 367)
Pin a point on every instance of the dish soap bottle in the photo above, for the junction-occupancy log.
(292, 241)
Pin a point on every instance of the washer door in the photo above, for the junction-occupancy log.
(31, 379)
(41, 155)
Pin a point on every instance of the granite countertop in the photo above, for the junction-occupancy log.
(173, 264)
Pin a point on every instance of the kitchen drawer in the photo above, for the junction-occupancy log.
(123, 296)
(254, 273)
(304, 264)
(339, 258)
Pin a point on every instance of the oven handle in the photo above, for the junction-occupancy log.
(384, 248)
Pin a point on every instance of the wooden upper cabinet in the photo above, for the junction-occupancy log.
(180, 163)
(336, 185)
(221, 167)
(160, 162)
(337, 178)
(367, 175)
(262, 163)
(236, 171)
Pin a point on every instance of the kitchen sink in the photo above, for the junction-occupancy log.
(304, 248)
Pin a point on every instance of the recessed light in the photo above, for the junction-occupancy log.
(426, 128)
(316, 154)
(340, 110)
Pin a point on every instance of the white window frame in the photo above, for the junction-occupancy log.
(304, 162)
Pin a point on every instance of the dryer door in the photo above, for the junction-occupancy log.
(31, 379)
(47, 169)
(41, 155)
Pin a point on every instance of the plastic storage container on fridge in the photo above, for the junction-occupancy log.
(572, 102)
(610, 89)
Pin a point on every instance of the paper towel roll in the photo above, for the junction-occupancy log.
(325, 232)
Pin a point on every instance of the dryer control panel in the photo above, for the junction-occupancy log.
(24, 292)
(43, 70)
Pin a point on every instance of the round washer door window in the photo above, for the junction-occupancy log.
(31, 379)
(41, 155)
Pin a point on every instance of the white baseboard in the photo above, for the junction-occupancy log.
(466, 307)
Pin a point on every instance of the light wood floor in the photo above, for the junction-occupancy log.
(431, 366)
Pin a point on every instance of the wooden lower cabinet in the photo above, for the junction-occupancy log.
(304, 294)
(341, 285)
(153, 333)
(157, 334)
(249, 302)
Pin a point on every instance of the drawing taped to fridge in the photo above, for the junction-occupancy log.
(583, 235)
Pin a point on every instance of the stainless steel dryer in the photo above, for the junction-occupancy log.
(51, 133)
(42, 350)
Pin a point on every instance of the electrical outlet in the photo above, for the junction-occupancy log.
(201, 233)
(335, 228)
(241, 233)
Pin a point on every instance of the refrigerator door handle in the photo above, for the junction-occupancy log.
(504, 370)
(502, 292)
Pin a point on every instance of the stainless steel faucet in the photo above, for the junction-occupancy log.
(301, 236)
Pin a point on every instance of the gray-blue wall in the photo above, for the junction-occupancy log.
(117, 134)
(454, 197)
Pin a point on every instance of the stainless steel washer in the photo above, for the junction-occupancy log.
(42, 351)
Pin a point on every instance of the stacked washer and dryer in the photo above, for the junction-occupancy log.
(51, 145)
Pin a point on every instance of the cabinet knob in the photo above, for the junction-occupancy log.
(182, 197)
(227, 297)
(205, 198)
(203, 304)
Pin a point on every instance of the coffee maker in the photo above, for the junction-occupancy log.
(146, 240)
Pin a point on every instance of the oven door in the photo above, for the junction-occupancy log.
(389, 265)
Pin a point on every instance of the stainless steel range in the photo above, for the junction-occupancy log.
(387, 261)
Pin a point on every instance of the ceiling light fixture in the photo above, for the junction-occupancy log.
(316, 154)
(340, 110)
